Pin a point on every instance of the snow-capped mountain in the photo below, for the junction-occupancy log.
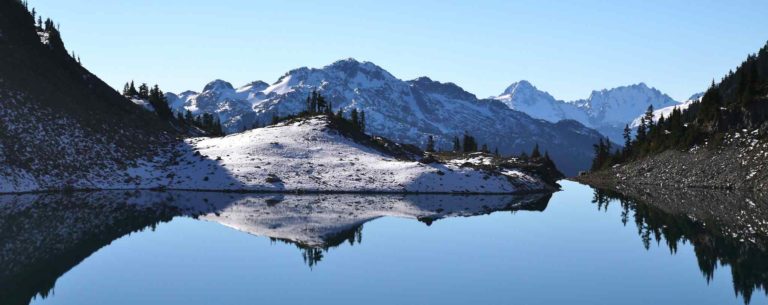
(607, 111)
(404, 111)
(666, 111)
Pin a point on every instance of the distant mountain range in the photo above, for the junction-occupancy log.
(607, 111)
(404, 111)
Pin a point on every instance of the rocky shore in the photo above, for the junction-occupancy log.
(739, 161)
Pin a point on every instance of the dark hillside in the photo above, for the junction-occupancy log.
(58, 121)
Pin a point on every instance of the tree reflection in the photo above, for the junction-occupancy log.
(44, 236)
(664, 215)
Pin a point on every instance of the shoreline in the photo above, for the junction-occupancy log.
(290, 192)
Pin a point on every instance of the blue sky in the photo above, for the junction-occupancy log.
(565, 47)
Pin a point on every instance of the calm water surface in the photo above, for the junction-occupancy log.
(577, 246)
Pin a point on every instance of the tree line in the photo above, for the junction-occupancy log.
(317, 104)
(739, 101)
(50, 28)
(207, 122)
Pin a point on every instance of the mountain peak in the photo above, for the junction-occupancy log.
(218, 85)
(447, 89)
(350, 64)
(696, 96)
(522, 85)
(254, 86)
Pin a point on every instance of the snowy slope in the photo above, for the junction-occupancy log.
(404, 111)
(309, 156)
(607, 111)
(318, 221)
(666, 111)
(305, 155)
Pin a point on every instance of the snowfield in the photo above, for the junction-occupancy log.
(300, 156)
(316, 221)
(607, 110)
(309, 156)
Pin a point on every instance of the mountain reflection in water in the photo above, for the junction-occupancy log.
(43, 236)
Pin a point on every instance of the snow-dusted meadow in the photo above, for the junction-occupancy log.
(299, 156)
(309, 156)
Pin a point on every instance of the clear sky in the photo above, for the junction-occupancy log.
(565, 47)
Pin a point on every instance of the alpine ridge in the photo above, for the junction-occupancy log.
(404, 111)
(607, 110)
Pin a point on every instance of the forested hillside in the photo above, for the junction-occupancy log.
(736, 104)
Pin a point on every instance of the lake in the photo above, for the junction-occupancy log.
(576, 246)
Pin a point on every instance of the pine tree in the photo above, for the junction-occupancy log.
(159, 102)
(641, 130)
(430, 144)
(355, 119)
(188, 117)
(627, 139)
(536, 153)
(469, 143)
(143, 91)
(456, 144)
(362, 121)
(126, 90)
(484, 148)
(132, 90)
(321, 104)
(649, 119)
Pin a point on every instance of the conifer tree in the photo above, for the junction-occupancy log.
(355, 119)
(132, 90)
(188, 117)
(470, 145)
(649, 119)
(536, 153)
(159, 102)
(641, 130)
(627, 139)
(430, 144)
(143, 91)
(362, 121)
(456, 144)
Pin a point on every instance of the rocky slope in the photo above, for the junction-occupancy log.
(607, 111)
(404, 111)
(58, 122)
(736, 163)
